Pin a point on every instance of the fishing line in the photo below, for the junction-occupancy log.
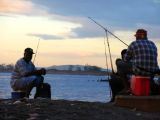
(106, 33)
(106, 59)
(110, 56)
(110, 92)
(36, 51)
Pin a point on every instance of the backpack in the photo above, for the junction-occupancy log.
(43, 91)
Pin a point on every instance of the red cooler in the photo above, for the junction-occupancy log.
(140, 85)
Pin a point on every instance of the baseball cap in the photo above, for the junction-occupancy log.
(141, 32)
(29, 50)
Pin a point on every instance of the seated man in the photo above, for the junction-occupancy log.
(124, 70)
(143, 53)
(119, 83)
(25, 76)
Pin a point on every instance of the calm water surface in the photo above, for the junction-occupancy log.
(68, 87)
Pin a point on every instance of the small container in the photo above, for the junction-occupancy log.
(140, 85)
(18, 94)
(157, 80)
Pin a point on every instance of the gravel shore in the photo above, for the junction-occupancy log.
(45, 109)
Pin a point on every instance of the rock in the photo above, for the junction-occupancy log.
(17, 102)
(29, 104)
(138, 114)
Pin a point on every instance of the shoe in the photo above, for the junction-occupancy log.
(125, 92)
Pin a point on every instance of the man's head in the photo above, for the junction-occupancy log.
(28, 52)
(123, 52)
(141, 34)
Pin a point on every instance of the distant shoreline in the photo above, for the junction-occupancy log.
(97, 73)
(67, 72)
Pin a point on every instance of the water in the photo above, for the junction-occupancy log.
(68, 87)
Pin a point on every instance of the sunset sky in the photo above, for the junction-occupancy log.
(66, 34)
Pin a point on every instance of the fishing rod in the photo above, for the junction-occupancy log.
(107, 64)
(109, 52)
(108, 31)
(36, 50)
(106, 59)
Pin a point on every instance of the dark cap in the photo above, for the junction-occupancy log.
(29, 50)
(141, 32)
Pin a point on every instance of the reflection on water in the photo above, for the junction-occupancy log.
(5, 89)
(68, 87)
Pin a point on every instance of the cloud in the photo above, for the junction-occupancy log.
(46, 36)
(21, 7)
(27, 7)
(117, 12)
(70, 54)
(77, 54)
(73, 27)
(15, 6)
(84, 27)
(88, 30)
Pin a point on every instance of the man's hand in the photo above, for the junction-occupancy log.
(43, 71)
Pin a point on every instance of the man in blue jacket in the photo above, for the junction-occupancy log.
(25, 76)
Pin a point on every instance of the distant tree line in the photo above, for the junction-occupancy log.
(8, 67)
(91, 68)
(86, 68)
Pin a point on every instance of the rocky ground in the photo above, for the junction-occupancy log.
(44, 109)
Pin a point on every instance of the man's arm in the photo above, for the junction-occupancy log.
(129, 53)
(42, 71)
(23, 70)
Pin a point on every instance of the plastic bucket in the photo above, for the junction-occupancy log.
(140, 85)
